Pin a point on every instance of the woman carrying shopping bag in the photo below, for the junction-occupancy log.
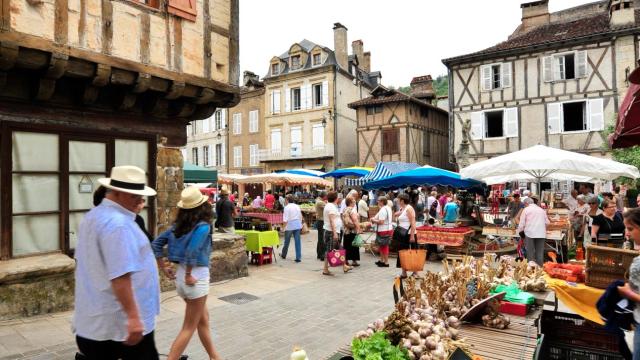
(189, 245)
(405, 232)
(351, 222)
(384, 231)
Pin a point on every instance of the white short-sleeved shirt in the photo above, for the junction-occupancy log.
(111, 244)
(329, 209)
(385, 214)
(292, 216)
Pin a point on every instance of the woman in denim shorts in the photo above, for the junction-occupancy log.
(189, 246)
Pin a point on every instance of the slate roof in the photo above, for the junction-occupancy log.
(371, 79)
(554, 32)
(382, 95)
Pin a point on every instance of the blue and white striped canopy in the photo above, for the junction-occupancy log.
(307, 172)
(383, 170)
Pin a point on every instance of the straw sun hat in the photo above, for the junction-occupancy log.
(129, 179)
(191, 198)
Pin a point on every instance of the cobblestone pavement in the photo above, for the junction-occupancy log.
(296, 306)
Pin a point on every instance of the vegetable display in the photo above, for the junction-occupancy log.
(376, 347)
(426, 320)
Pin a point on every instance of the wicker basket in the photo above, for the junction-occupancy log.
(412, 259)
(605, 265)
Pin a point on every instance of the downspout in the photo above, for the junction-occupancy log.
(451, 119)
(335, 117)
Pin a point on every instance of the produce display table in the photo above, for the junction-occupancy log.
(309, 216)
(449, 236)
(578, 297)
(271, 218)
(518, 341)
(556, 237)
(256, 240)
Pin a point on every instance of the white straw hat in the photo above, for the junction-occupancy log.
(129, 179)
(191, 198)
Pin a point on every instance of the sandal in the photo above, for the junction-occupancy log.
(347, 269)
(328, 273)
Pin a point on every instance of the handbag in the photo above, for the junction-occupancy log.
(346, 219)
(336, 257)
(357, 241)
(383, 238)
(400, 233)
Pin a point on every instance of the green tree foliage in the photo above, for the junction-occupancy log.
(441, 85)
(630, 155)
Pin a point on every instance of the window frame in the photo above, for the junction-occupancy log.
(237, 123)
(65, 135)
(315, 146)
(297, 66)
(194, 155)
(313, 59)
(237, 156)
(254, 121)
(205, 155)
(254, 158)
(276, 67)
(316, 90)
(293, 92)
(219, 157)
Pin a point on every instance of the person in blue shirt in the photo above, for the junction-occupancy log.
(451, 211)
(190, 245)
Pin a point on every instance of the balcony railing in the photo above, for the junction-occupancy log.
(305, 152)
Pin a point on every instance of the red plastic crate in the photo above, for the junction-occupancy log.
(513, 308)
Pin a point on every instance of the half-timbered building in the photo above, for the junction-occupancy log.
(393, 126)
(556, 81)
(86, 85)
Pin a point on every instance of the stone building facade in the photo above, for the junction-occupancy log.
(393, 126)
(307, 121)
(207, 142)
(247, 134)
(558, 81)
(84, 86)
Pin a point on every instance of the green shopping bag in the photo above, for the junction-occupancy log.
(514, 294)
(357, 241)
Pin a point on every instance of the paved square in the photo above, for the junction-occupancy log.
(296, 306)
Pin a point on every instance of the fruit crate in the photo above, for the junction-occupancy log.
(605, 265)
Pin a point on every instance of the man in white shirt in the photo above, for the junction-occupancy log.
(525, 195)
(572, 201)
(534, 221)
(117, 292)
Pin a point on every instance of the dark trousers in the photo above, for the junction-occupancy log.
(321, 249)
(115, 350)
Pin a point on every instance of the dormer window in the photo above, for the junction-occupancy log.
(295, 62)
(275, 69)
(317, 59)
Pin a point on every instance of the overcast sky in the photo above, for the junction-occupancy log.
(406, 38)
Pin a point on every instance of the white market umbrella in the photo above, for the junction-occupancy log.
(542, 162)
(501, 179)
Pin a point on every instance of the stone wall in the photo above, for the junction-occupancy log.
(169, 185)
(228, 260)
(36, 285)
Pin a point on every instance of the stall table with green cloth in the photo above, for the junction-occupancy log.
(256, 240)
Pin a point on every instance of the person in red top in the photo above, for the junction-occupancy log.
(269, 200)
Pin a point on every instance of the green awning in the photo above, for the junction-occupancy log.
(199, 174)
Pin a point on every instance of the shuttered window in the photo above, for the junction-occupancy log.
(495, 76)
(237, 123)
(575, 116)
(565, 66)
(185, 9)
(253, 121)
(390, 142)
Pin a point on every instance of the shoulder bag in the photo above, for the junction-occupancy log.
(400, 233)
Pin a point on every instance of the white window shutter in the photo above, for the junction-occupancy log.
(548, 68)
(559, 68)
(477, 125)
(308, 97)
(276, 100)
(506, 75)
(211, 154)
(223, 161)
(511, 122)
(581, 64)
(287, 99)
(554, 117)
(272, 104)
(486, 77)
(596, 115)
(205, 125)
(223, 116)
(325, 93)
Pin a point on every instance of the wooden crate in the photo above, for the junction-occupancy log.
(605, 265)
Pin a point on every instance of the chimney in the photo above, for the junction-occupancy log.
(366, 62)
(249, 76)
(621, 13)
(340, 45)
(357, 48)
(534, 14)
(422, 88)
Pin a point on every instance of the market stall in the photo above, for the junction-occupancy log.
(384, 170)
(487, 308)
